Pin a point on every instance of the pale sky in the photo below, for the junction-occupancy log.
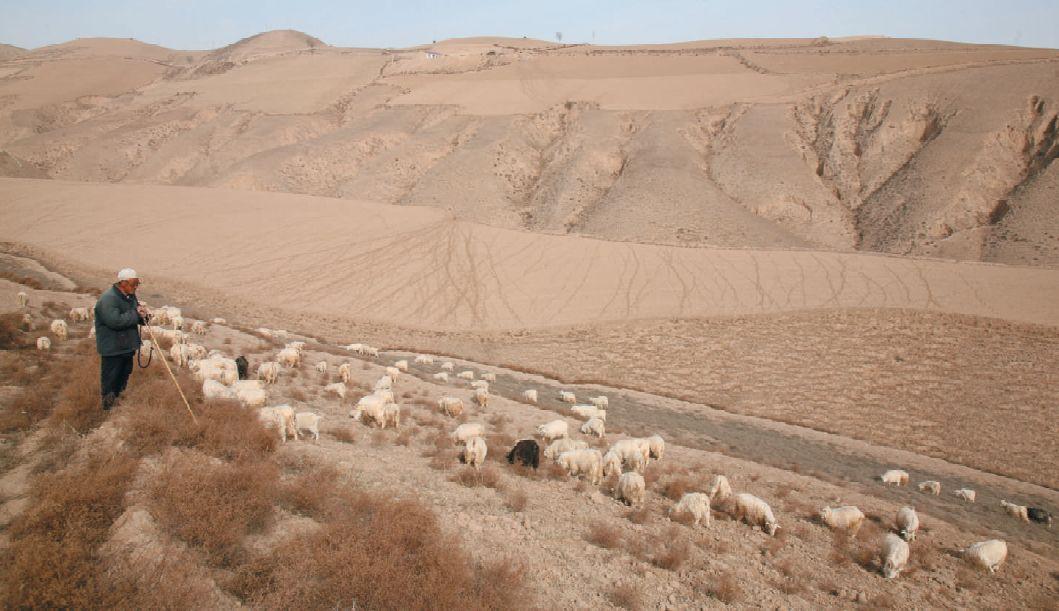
(208, 24)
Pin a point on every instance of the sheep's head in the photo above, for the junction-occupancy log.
(825, 514)
(771, 527)
(889, 570)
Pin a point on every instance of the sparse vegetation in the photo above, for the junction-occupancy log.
(604, 535)
(725, 588)
(627, 595)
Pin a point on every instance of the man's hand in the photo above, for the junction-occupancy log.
(143, 311)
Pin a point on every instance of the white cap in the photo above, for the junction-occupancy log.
(127, 274)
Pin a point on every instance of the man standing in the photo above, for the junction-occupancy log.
(118, 317)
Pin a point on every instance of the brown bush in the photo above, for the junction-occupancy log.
(671, 551)
(773, 545)
(554, 471)
(379, 438)
(308, 493)
(627, 595)
(497, 446)
(725, 588)
(639, 516)
(487, 477)
(404, 438)
(794, 577)
(298, 394)
(517, 500)
(77, 404)
(11, 334)
(604, 535)
(27, 281)
(675, 488)
(442, 460)
(345, 434)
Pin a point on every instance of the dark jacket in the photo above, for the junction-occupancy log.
(117, 323)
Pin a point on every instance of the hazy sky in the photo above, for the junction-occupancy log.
(207, 24)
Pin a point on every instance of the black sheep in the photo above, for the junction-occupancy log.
(241, 364)
(1039, 515)
(527, 452)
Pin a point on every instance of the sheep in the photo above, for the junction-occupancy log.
(1039, 515)
(481, 397)
(391, 415)
(448, 366)
(212, 389)
(583, 462)
(289, 357)
(907, 523)
(59, 328)
(280, 417)
(394, 373)
(529, 396)
(966, 494)
(401, 366)
(611, 464)
(91, 330)
(308, 421)
(176, 337)
(216, 368)
(631, 489)
(321, 366)
(894, 477)
(489, 377)
(553, 430)
(987, 554)
(250, 393)
(719, 488)
(27, 322)
(754, 512)
(846, 517)
(338, 388)
(527, 452)
(214, 354)
(268, 371)
(78, 314)
(219, 321)
(695, 504)
(465, 375)
(656, 446)
(355, 348)
(424, 359)
(930, 486)
(345, 372)
(299, 346)
(587, 412)
(474, 452)
(180, 355)
(197, 351)
(564, 444)
(467, 431)
(372, 352)
(385, 395)
(632, 454)
(177, 322)
(894, 555)
(198, 327)
(371, 409)
(383, 383)
(567, 397)
(242, 366)
(1019, 512)
(600, 401)
(480, 384)
(43, 343)
(451, 406)
(22, 298)
(595, 427)
(441, 376)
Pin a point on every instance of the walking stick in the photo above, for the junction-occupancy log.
(165, 362)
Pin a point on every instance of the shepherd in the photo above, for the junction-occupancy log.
(118, 318)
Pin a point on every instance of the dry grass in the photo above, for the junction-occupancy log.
(379, 438)
(627, 595)
(554, 471)
(345, 434)
(671, 550)
(404, 438)
(676, 488)
(487, 477)
(11, 331)
(297, 394)
(603, 535)
(794, 577)
(516, 500)
(725, 588)
(641, 515)
(307, 493)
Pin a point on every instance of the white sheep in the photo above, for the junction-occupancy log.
(633, 454)
(289, 357)
(180, 355)
(754, 512)
(489, 377)
(198, 327)
(337, 388)
(383, 383)
(448, 366)
(656, 446)
(930, 486)
(345, 372)
(894, 555)
(966, 494)
(987, 554)
(354, 348)
(78, 314)
(600, 401)
(587, 412)
(611, 463)
(587, 462)
(91, 330)
(196, 351)
(268, 371)
(595, 427)
(564, 444)
(481, 397)
(466, 431)
(385, 395)
(59, 328)
(529, 396)
(480, 384)
(22, 298)
(370, 409)
(474, 452)
(221, 369)
(553, 430)
(846, 517)
(697, 505)
(907, 523)
(391, 415)
(895, 477)
(321, 366)
(280, 417)
(441, 376)
(424, 359)
(219, 321)
(250, 393)
(299, 346)
(177, 322)
(43, 343)
(401, 366)
(465, 375)
(719, 488)
(308, 421)
(394, 373)
(631, 488)
(1019, 512)
(567, 397)
(451, 406)
(176, 337)
(212, 389)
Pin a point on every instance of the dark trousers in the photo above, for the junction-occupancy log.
(113, 376)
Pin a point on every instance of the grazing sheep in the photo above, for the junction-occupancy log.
(451, 406)
(481, 397)
(441, 376)
(268, 371)
(242, 366)
(474, 452)
(299, 346)
(216, 368)
(489, 377)
(424, 359)
(391, 415)
(907, 523)
(966, 494)
(280, 417)
(22, 298)
(401, 366)
(176, 337)
(59, 328)
(480, 384)
(1019, 512)
(219, 321)
(345, 372)
(754, 512)
(633, 455)
(631, 489)
(719, 489)
(697, 505)
(308, 421)
(467, 431)
(465, 375)
(656, 446)
(1039, 515)
(846, 517)
(564, 444)
(79, 314)
(527, 452)
(529, 396)
(394, 373)
(321, 366)
(371, 410)
(894, 555)
(567, 397)
(987, 554)
(177, 322)
(588, 463)
(448, 366)
(337, 388)
(931, 486)
(43, 343)
(180, 354)
(355, 348)
(289, 357)
(212, 389)
(601, 401)
(385, 395)
(250, 393)
(383, 383)
(197, 351)
(587, 412)
(895, 477)
(611, 464)
(595, 427)
(553, 430)
(198, 327)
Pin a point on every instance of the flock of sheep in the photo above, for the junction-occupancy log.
(226, 378)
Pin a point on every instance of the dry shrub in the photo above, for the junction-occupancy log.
(212, 506)
(841, 549)
(11, 335)
(345, 434)
(470, 477)
(882, 600)
(675, 488)
(380, 554)
(725, 588)
(651, 475)
(404, 438)
(379, 438)
(968, 578)
(640, 515)
(783, 491)
(604, 535)
(78, 404)
(442, 460)
(308, 492)
(297, 394)
(554, 471)
(794, 577)
(581, 486)
(627, 595)
(499, 421)
(497, 446)
(775, 543)
(517, 500)
(682, 517)
(926, 557)
(800, 530)
(27, 281)
(671, 550)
